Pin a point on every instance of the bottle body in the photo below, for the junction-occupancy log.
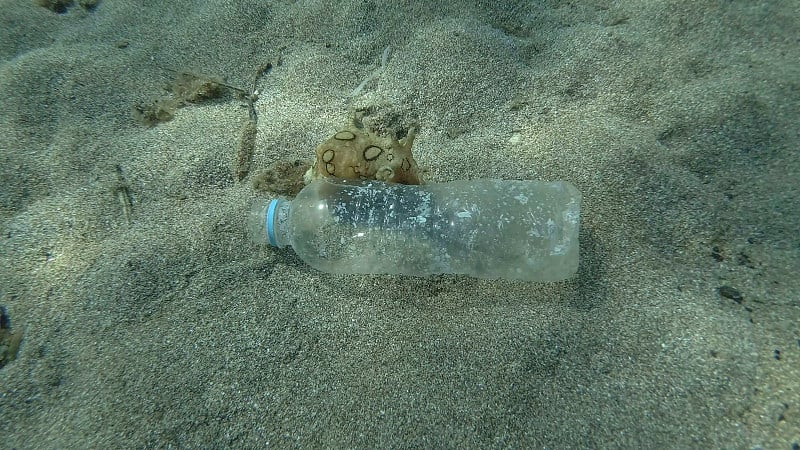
(525, 230)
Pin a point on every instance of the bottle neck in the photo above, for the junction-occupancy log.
(276, 221)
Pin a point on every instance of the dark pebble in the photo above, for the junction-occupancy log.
(731, 293)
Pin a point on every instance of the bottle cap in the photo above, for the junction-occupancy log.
(270, 222)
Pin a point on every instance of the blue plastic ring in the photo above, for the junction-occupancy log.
(270, 222)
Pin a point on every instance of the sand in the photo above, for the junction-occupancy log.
(156, 322)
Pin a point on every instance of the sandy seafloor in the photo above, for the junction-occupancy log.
(678, 121)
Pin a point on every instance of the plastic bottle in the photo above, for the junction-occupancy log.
(523, 230)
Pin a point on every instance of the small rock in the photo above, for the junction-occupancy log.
(731, 293)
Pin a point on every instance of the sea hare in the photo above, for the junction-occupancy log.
(356, 154)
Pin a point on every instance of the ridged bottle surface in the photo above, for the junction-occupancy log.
(524, 230)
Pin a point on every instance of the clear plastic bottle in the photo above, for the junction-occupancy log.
(522, 230)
